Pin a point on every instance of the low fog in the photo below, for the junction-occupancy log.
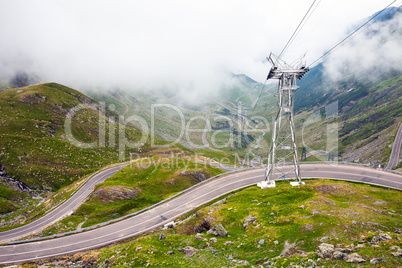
(186, 47)
(369, 54)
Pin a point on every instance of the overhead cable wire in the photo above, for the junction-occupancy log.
(299, 27)
(304, 23)
(297, 30)
(351, 34)
(306, 20)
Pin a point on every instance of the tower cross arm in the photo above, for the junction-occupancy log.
(276, 73)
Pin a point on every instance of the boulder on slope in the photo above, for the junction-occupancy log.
(218, 230)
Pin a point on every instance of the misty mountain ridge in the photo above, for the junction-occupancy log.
(35, 146)
(368, 93)
(320, 85)
(359, 87)
(388, 14)
(366, 87)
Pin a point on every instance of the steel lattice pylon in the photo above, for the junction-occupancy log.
(283, 146)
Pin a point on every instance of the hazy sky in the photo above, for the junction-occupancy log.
(175, 43)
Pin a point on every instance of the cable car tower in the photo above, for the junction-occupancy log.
(283, 147)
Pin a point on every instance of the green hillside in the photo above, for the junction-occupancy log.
(168, 121)
(280, 227)
(368, 102)
(135, 187)
(34, 146)
(368, 114)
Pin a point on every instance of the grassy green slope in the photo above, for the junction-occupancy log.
(35, 149)
(9, 199)
(368, 103)
(33, 143)
(151, 179)
(368, 116)
(168, 123)
(337, 212)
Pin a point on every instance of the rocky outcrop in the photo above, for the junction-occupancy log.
(354, 257)
(199, 237)
(162, 236)
(198, 175)
(379, 203)
(189, 251)
(398, 252)
(218, 230)
(111, 194)
(341, 253)
(376, 261)
(204, 225)
(11, 182)
(32, 98)
(381, 237)
(307, 227)
(249, 220)
(288, 249)
(326, 189)
(325, 250)
(213, 240)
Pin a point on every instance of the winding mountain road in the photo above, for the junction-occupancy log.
(168, 211)
(396, 149)
(62, 210)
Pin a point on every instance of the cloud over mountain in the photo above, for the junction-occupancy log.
(373, 52)
(184, 46)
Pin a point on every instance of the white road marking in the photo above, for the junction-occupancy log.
(220, 180)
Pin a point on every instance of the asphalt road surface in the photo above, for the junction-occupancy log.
(168, 211)
(62, 210)
(396, 149)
